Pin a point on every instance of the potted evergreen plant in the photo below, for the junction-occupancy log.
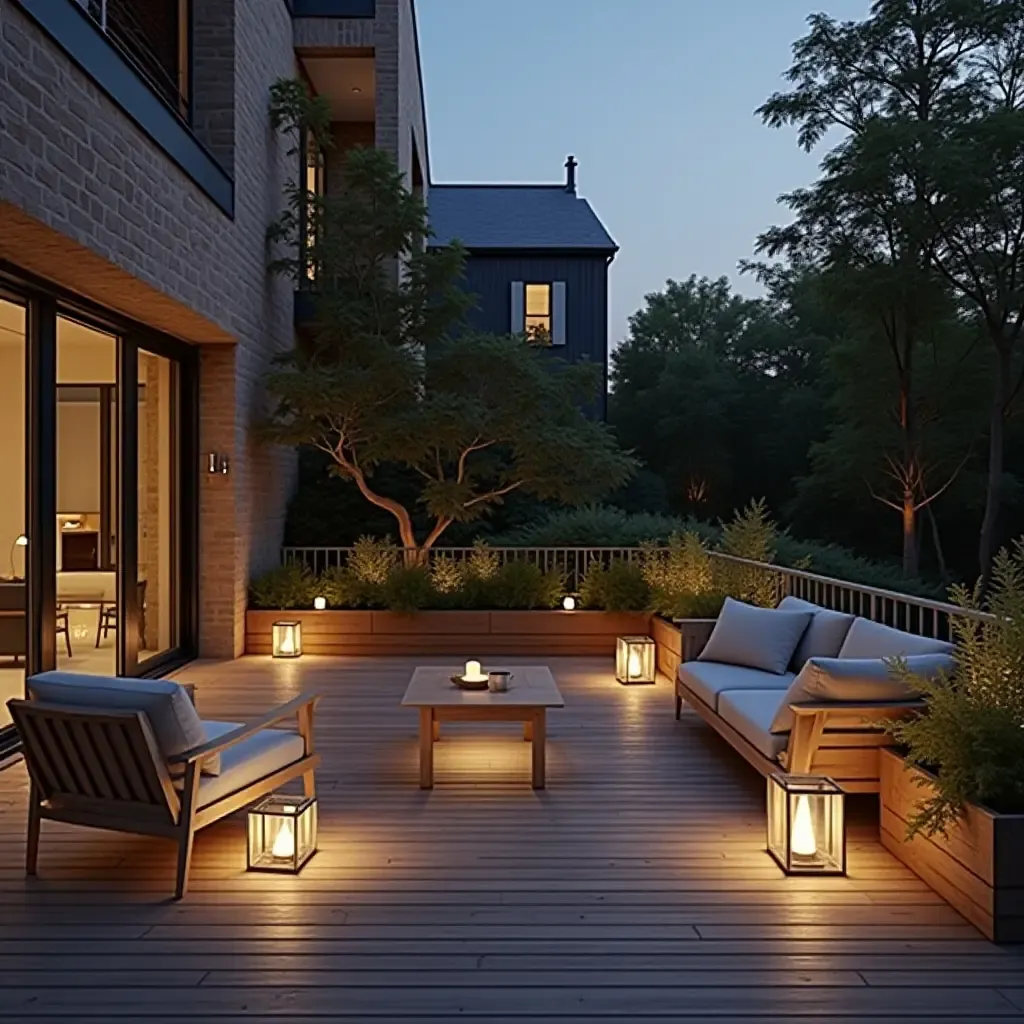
(952, 796)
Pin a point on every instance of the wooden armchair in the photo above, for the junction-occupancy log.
(104, 769)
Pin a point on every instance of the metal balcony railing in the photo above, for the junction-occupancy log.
(919, 615)
(152, 35)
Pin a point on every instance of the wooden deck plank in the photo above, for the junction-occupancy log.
(635, 886)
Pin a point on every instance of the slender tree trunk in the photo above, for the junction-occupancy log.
(996, 444)
(909, 533)
(940, 554)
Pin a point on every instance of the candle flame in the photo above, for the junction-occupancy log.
(803, 844)
(635, 668)
(284, 841)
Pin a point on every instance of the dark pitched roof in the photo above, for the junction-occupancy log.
(515, 217)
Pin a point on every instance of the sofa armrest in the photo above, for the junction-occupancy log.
(300, 708)
(870, 711)
(810, 722)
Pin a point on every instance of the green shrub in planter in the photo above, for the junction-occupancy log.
(287, 586)
(372, 560)
(620, 587)
(517, 586)
(342, 588)
(971, 737)
(409, 589)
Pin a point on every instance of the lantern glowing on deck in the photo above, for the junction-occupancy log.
(286, 639)
(281, 833)
(634, 659)
(806, 825)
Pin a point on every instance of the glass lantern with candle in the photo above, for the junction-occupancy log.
(635, 659)
(286, 639)
(806, 825)
(282, 833)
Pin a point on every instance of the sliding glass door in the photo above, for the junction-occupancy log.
(88, 474)
(98, 507)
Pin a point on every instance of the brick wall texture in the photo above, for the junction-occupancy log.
(89, 201)
(81, 170)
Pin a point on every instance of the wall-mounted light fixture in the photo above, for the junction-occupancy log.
(217, 462)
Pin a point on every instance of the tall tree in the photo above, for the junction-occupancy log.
(714, 392)
(977, 210)
(895, 84)
(388, 376)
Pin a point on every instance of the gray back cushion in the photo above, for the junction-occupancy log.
(763, 638)
(857, 681)
(825, 635)
(868, 639)
(175, 722)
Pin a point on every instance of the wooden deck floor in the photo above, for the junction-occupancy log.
(634, 887)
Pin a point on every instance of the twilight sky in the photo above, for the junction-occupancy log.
(655, 98)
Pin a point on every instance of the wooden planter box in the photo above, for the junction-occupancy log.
(977, 869)
(465, 634)
(679, 641)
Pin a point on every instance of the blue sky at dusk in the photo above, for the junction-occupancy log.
(655, 98)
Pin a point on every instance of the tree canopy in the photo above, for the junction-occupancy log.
(389, 377)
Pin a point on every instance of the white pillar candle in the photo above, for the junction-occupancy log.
(473, 671)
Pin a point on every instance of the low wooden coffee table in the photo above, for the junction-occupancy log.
(531, 692)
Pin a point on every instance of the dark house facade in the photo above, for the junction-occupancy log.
(538, 263)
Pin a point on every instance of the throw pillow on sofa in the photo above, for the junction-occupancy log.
(825, 635)
(855, 680)
(868, 639)
(763, 638)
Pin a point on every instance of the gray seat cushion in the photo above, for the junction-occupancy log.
(868, 639)
(172, 717)
(709, 679)
(750, 713)
(253, 759)
(763, 638)
(856, 680)
(214, 731)
(825, 635)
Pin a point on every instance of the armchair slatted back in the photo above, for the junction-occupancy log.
(96, 767)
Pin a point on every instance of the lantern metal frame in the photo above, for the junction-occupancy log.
(625, 646)
(303, 815)
(827, 809)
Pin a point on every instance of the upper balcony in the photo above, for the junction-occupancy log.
(140, 53)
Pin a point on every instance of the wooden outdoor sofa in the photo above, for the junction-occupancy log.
(838, 738)
(104, 761)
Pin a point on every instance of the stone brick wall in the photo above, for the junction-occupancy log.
(213, 78)
(79, 179)
(400, 111)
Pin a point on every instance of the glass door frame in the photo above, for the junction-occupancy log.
(44, 304)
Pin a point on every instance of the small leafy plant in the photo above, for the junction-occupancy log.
(619, 587)
(372, 560)
(286, 586)
(751, 535)
(522, 585)
(971, 737)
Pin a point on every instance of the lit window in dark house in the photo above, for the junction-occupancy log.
(538, 313)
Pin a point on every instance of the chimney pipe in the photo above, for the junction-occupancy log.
(570, 175)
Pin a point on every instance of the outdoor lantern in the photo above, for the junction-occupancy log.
(287, 639)
(319, 603)
(282, 833)
(634, 659)
(806, 825)
(569, 603)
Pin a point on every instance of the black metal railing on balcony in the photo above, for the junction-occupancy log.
(153, 35)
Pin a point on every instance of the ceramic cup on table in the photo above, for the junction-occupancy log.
(498, 682)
